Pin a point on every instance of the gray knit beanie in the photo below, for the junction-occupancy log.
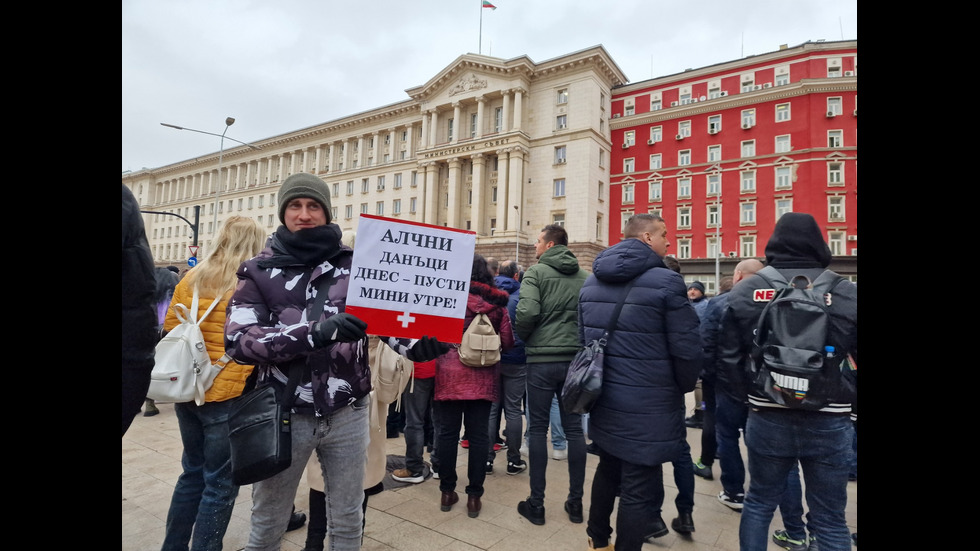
(304, 185)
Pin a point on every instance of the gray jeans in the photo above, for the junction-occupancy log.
(340, 440)
(512, 385)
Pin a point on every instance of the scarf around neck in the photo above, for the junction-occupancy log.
(309, 247)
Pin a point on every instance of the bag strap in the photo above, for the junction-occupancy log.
(615, 317)
(194, 305)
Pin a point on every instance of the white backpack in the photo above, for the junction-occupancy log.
(183, 370)
(480, 345)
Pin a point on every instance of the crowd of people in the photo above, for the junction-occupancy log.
(282, 312)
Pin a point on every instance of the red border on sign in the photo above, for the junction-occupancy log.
(387, 323)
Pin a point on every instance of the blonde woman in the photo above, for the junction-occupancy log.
(204, 495)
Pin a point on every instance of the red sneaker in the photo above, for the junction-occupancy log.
(464, 443)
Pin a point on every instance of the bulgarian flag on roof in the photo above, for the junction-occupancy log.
(488, 5)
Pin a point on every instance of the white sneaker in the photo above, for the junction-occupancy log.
(559, 455)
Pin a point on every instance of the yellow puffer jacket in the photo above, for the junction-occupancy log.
(231, 381)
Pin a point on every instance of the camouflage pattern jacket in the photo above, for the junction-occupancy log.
(267, 326)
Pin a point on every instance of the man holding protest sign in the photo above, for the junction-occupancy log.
(304, 269)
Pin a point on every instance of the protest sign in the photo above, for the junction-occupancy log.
(410, 279)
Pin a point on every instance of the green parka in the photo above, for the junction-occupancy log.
(547, 312)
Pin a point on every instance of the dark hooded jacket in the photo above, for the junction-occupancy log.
(797, 247)
(652, 359)
(515, 355)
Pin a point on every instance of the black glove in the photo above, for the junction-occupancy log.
(426, 349)
(342, 327)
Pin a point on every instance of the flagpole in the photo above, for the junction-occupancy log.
(480, 47)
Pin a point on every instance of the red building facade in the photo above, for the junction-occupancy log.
(740, 142)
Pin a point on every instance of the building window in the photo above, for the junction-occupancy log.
(713, 215)
(748, 118)
(684, 129)
(835, 208)
(333, 214)
(364, 185)
(748, 181)
(833, 71)
(783, 144)
(656, 161)
(783, 206)
(469, 196)
(493, 195)
(598, 227)
(627, 194)
(628, 165)
(602, 157)
(559, 187)
(835, 240)
(602, 188)
(656, 190)
(335, 192)
(656, 134)
(415, 179)
(835, 138)
(683, 218)
(656, 105)
(262, 197)
(396, 206)
(381, 183)
(560, 155)
(626, 215)
(784, 177)
(561, 122)
(379, 208)
(449, 128)
(835, 173)
(748, 214)
(684, 157)
(685, 98)
(558, 219)
(782, 79)
(712, 248)
(714, 92)
(713, 189)
(684, 188)
(747, 246)
(714, 124)
(714, 153)
(834, 107)
(498, 119)
(748, 148)
(563, 95)
(683, 248)
(364, 208)
(412, 204)
(782, 112)
(748, 83)
(629, 108)
(398, 180)
(349, 212)
(629, 138)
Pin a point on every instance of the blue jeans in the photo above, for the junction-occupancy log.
(641, 495)
(415, 405)
(558, 440)
(340, 440)
(791, 506)
(776, 441)
(204, 495)
(730, 415)
(544, 383)
(512, 387)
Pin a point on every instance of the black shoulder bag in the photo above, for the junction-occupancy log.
(583, 382)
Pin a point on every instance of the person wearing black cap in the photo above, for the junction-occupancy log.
(273, 323)
(778, 437)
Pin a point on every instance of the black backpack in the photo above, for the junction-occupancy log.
(795, 361)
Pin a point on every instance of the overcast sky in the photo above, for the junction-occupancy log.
(282, 66)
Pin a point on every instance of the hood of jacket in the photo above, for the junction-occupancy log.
(797, 242)
(507, 284)
(560, 258)
(483, 297)
(624, 261)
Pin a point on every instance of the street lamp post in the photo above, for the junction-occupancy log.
(228, 122)
(517, 237)
(718, 245)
